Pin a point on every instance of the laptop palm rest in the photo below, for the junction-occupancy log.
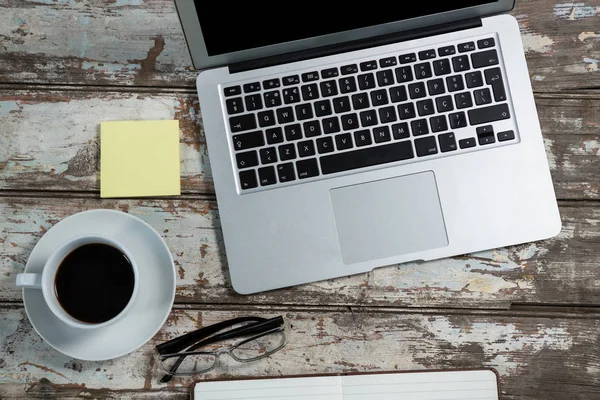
(389, 217)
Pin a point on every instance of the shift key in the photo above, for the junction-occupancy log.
(242, 123)
(483, 115)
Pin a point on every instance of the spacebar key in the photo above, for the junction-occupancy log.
(366, 157)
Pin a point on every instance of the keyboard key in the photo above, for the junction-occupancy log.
(441, 67)
(485, 43)
(483, 115)
(291, 95)
(492, 75)
(366, 81)
(484, 130)
(446, 51)
(417, 90)
(325, 145)
(455, 83)
(379, 97)
(425, 107)
(461, 63)
(272, 99)
(368, 118)
(447, 142)
(362, 138)
(271, 84)
(285, 115)
(310, 76)
(400, 131)
(349, 69)
(291, 80)
(323, 108)
(474, 79)
(444, 104)
(404, 74)
(246, 159)
(423, 71)
(331, 125)
(387, 62)
(385, 77)
(286, 172)
(484, 58)
(360, 101)
(253, 102)
(306, 148)
(482, 96)
(328, 88)
(312, 128)
(251, 87)
(426, 146)
(375, 155)
(438, 123)
(343, 141)
(368, 65)
(232, 91)
(329, 73)
(381, 134)
(387, 115)
(499, 92)
(347, 85)
(407, 58)
(505, 135)
(406, 111)
(274, 135)
(248, 140)
(463, 100)
(266, 118)
(398, 93)
(304, 111)
(234, 106)
(349, 122)
(464, 47)
(310, 92)
(485, 135)
(266, 176)
(293, 132)
(242, 123)
(268, 155)
(436, 86)
(426, 54)
(458, 120)
(419, 127)
(466, 143)
(307, 168)
(248, 179)
(287, 152)
(341, 104)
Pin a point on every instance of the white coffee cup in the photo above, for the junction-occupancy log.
(46, 280)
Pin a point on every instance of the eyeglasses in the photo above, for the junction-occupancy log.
(263, 337)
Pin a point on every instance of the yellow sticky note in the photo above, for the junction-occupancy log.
(139, 158)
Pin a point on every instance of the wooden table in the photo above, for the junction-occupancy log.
(530, 311)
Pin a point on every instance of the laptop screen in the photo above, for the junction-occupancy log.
(248, 25)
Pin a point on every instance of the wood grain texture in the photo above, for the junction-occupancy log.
(560, 270)
(536, 357)
(135, 42)
(50, 138)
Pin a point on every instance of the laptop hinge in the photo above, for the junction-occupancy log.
(355, 45)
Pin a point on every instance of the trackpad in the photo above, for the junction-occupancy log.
(389, 217)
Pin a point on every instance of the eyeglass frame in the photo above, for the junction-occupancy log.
(208, 335)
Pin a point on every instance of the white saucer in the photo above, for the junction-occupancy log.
(155, 298)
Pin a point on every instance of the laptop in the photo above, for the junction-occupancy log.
(346, 138)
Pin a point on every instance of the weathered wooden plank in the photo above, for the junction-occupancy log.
(536, 357)
(49, 139)
(561, 270)
(134, 42)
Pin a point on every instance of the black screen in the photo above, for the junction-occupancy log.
(233, 26)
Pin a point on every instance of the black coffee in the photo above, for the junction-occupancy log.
(94, 283)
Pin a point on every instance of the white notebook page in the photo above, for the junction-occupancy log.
(447, 385)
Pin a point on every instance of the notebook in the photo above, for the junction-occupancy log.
(429, 385)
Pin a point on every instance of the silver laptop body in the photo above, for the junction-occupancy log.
(336, 152)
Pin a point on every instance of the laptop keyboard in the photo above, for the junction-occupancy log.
(398, 108)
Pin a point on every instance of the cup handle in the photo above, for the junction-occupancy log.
(29, 281)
